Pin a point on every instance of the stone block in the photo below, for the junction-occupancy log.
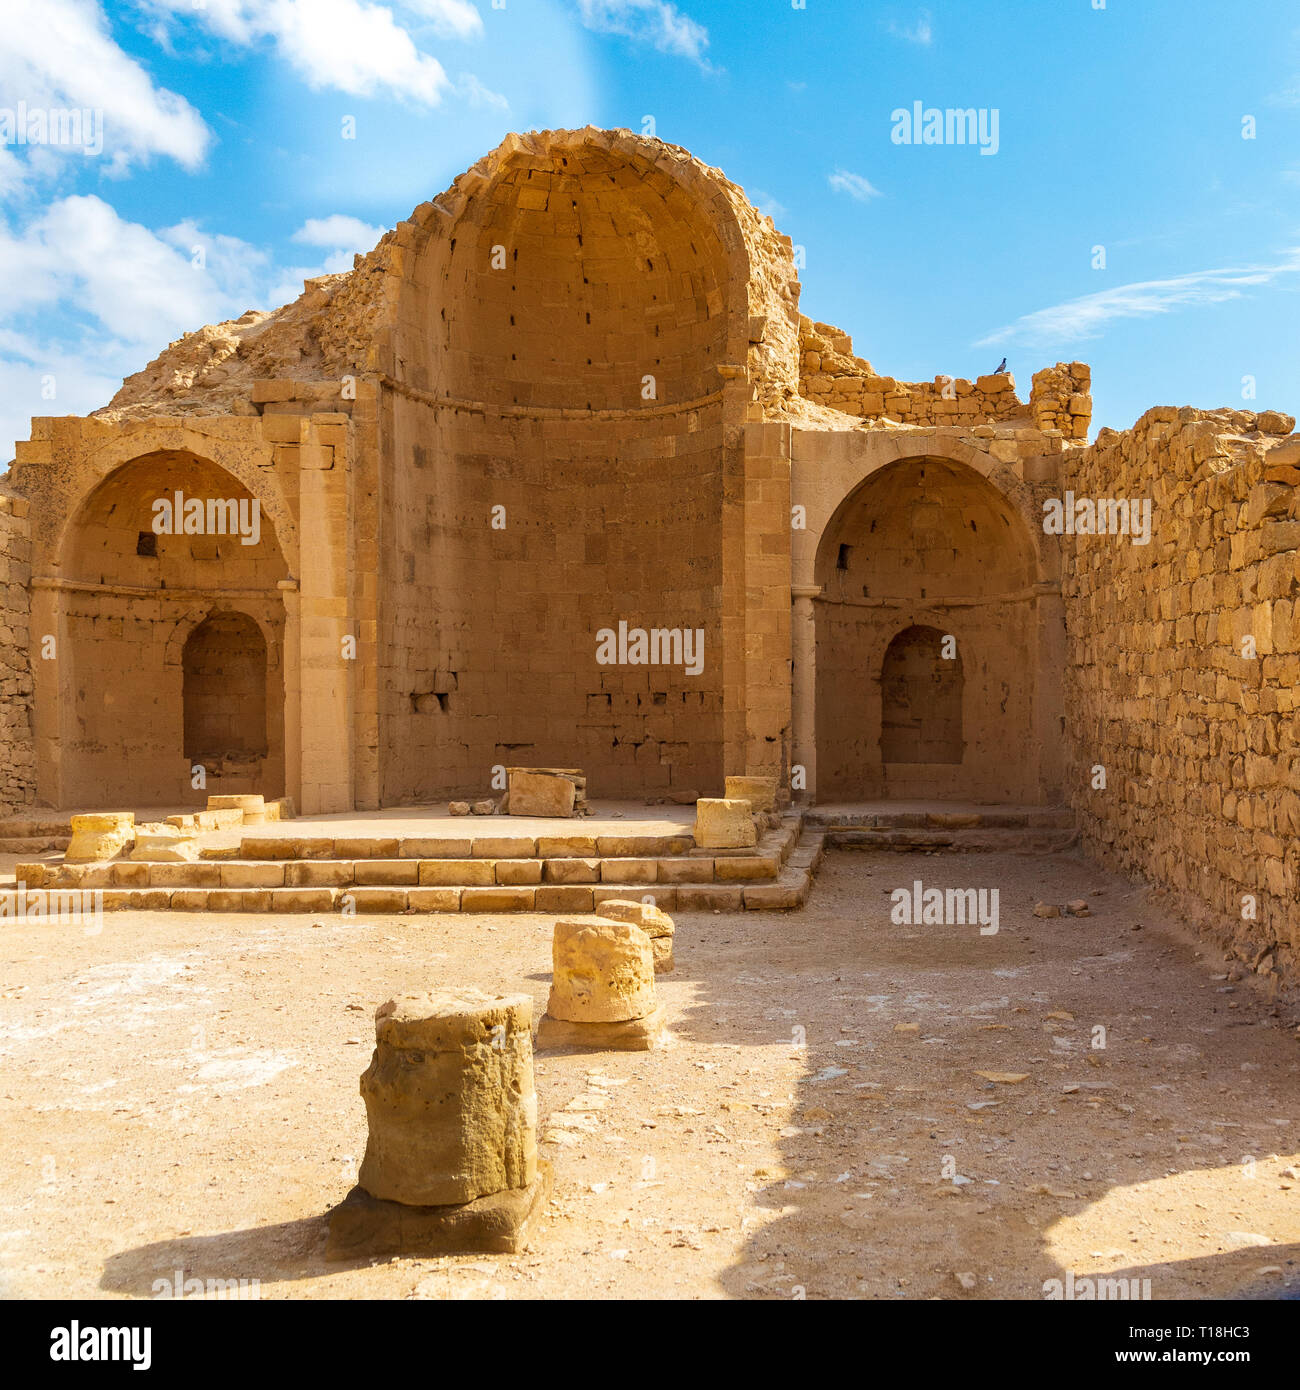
(387, 872)
(318, 873)
(563, 898)
(626, 1035)
(433, 899)
(572, 871)
(458, 873)
(519, 871)
(376, 899)
(539, 793)
(103, 835)
(157, 843)
(724, 824)
(497, 899)
(760, 792)
(251, 875)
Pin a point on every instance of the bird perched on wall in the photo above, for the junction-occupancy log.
(1001, 368)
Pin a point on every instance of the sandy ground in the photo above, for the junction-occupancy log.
(180, 1093)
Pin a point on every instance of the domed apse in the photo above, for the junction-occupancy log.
(564, 452)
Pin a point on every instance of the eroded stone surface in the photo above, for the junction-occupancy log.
(449, 1098)
(603, 972)
(103, 835)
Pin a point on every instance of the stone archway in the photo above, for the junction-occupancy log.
(126, 589)
(927, 640)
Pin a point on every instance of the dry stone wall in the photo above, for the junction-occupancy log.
(1183, 679)
(831, 375)
(18, 769)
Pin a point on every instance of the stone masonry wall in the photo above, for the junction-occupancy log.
(18, 769)
(1183, 671)
(831, 375)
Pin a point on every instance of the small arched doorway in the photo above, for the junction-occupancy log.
(921, 686)
(224, 697)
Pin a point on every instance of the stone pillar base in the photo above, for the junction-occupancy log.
(632, 1035)
(363, 1227)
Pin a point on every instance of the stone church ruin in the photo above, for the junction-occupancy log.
(575, 395)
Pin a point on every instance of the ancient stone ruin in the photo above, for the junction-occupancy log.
(451, 1160)
(558, 477)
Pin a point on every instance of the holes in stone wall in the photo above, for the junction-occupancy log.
(147, 544)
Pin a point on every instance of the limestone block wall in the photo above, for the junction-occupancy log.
(581, 327)
(1183, 670)
(489, 650)
(831, 375)
(18, 764)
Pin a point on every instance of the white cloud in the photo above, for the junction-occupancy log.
(95, 297)
(342, 237)
(451, 19)
(854, 185)
(1086, 316)
(60, 54)
(656, 22)
(347, 45)
(768, 205)
(922, 31)
(476, 94)
(339, 232)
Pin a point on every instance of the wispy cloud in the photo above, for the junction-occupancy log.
(768, 205)
(921, 30)
(340, 237)
(658, 23)
(842, 181)
(1088, 315)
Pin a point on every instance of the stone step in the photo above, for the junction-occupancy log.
(35, 844)
(399, 873)
(991, 818)
(784, 883)
(1014, 841)
(457, 847)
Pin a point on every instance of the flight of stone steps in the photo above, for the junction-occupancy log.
(474, 873)
(1031, 830)
(35, 833)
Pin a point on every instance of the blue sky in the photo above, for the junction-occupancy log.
(224, 178)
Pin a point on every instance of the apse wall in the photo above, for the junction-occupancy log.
(554, 463)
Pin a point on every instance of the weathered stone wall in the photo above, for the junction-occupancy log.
(17, 763)
(1183, 670)
(831, 375)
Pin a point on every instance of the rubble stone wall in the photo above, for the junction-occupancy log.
(1183, 670)
(831, 375)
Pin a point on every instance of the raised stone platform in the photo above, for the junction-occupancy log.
(429, 863)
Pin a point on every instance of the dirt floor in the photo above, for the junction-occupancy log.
(180, 1094)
